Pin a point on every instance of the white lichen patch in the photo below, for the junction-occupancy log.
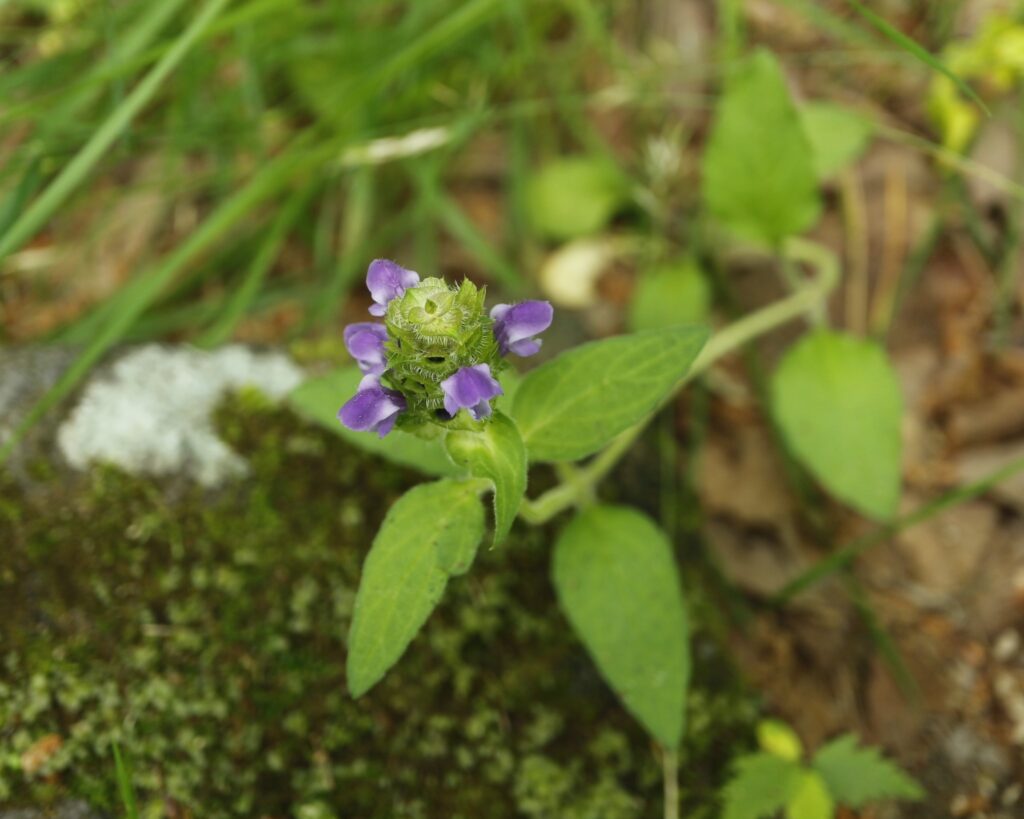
(151, 413)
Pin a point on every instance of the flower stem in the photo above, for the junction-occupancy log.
(811, 294)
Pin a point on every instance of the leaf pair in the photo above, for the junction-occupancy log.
(765, 783)
(568, 408)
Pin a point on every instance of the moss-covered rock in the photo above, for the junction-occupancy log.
(205, 634)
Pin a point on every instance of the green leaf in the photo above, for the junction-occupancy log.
(838, 136)
(811, 799)
(759, 177)
(617, 582)
(574, 404)
(761, 785)
(777, 738)
(319, 399)
(575, 196)
(430, 534)
(856, 776)
(498, 454)
(838, 403)
(674, 294)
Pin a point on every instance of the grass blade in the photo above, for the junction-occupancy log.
(911, 46)
(123, 774)
(844, 556)
(79, 168)
(243, 297)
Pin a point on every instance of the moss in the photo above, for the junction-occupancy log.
(205, 634)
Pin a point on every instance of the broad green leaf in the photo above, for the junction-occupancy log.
(810, 799)
(838, 136)
(838, 403)
(759, 176)
(498, 454)
(574, 404)
(430, 534)
(856, 776)
(575, 196)
(617, 582)
(319, 399)
(677, 293)
(777, 738)
(761, 785)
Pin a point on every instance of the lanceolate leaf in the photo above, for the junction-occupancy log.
(759, 176)
(617, 582)
(856, 776)
(319, 400)
(498, 454)
(838, 403)
(430, 534)
(573, 405)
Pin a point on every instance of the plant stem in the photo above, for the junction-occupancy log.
(670, 778)
(811, 294)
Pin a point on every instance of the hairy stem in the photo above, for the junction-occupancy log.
(811, 295)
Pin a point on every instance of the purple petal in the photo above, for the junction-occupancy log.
(516, 324)
(471, 388)
(373, 408)
(365, 343)
(387, 280)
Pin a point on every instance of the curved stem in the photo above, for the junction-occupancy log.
(810, 296)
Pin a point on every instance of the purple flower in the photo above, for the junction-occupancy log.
(515, 324)
(472, 388)
(386, 281)
(373, 408)
(365, 343)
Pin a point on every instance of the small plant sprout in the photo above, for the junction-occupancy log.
(775, 779)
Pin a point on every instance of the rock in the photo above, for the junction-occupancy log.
(72, 809)
(26, 373)
(151, 412)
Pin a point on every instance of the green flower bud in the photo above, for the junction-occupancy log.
(434, 330)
